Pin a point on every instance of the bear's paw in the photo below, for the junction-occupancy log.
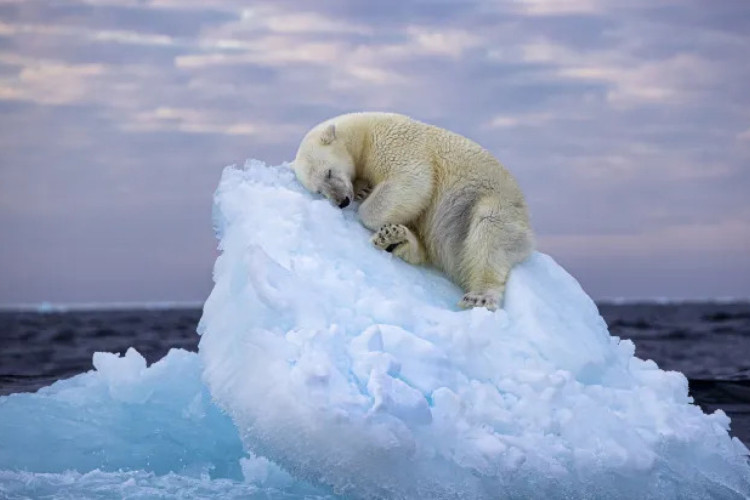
(390, 236)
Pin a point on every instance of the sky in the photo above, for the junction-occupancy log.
(627, 125)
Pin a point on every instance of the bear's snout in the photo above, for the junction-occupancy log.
(344, 203)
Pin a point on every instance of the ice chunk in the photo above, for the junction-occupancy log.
(128, 430)
(140, 484)
(355, 370)
(123, 415)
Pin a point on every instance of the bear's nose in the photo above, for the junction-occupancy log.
(344, 203)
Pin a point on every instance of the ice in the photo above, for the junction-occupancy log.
(128, 430)
(354, 370)
(138, 484)
(327, 367)
(123, 415)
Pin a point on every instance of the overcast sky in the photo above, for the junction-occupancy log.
(626, 123)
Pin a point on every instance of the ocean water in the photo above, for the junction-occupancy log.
(708, 342)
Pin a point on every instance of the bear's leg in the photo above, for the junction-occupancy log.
(494, 244)
(399, 200)
(401, 241)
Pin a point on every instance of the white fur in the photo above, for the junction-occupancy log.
(431, 196)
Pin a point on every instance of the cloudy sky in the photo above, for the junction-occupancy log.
(626, 123)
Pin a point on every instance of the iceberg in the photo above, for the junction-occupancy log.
(356, 371)
(329, 369)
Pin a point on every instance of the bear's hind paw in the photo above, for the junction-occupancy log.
(475, 299)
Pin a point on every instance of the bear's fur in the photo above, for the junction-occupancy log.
(430, 195)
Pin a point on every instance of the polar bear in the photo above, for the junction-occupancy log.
(430, 195)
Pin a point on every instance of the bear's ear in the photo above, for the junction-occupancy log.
(328, 135)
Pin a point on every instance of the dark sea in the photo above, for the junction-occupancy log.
(708, 342)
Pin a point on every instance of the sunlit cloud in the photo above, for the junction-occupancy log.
(87, 34)
(275, 20)
(557, 7)
(521, 120)
(48, 82)
(196, 121)
(447, 42)
(187, 120)
(581, 7)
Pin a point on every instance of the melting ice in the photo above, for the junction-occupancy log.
(329, 368)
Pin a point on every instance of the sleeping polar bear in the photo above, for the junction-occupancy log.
(430, 195)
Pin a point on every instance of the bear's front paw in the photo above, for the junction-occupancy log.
(362, 191)
(390, 236)
(474, 299)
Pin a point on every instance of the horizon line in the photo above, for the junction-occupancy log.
(52, 307)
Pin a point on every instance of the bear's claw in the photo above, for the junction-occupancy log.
(389, 237)
(362, 190)
(474, 299)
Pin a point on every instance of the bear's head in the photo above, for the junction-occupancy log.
(324, 165)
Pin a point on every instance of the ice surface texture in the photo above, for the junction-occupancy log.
(355, 370)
